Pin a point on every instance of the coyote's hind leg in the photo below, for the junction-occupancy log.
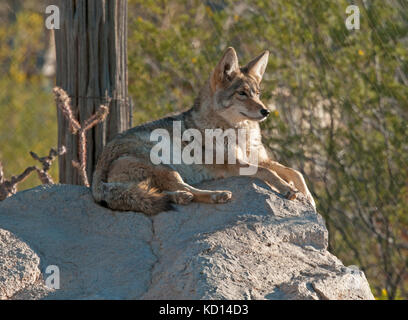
(172, 182)
(180, 196)
(165, 180)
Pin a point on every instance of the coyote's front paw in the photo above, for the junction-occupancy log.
(221, 196)
(291, 194)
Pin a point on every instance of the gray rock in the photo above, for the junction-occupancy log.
(259, 246)
(18, 265)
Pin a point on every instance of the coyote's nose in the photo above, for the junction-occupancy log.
(265, 112)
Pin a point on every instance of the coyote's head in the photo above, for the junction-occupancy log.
(235, 90)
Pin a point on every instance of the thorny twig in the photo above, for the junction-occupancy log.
(64, 103)
(9, 187)
(46, 164)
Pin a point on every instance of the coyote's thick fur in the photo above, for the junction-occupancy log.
(126, 179)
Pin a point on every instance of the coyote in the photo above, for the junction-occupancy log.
(126, 179)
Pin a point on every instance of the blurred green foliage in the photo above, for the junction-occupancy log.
(27, 111)
(339, 97)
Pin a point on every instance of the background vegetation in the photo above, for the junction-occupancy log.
(340, 101)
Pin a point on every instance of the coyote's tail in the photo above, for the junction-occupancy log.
(126, 196)
(134, 196)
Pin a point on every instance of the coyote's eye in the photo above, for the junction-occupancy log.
(242, 93)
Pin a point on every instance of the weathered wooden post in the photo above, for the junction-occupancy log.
(91, 52)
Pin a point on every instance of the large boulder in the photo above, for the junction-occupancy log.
(259, 246)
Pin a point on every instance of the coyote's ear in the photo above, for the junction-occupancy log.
(226, 68)
(257, 66)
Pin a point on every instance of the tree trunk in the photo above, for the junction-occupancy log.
(91, 51)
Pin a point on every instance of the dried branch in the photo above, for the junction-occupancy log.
(97, 117)
(46, 164)
(9, 187)
(64, 103)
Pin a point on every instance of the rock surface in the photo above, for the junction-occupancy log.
(259, 246)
